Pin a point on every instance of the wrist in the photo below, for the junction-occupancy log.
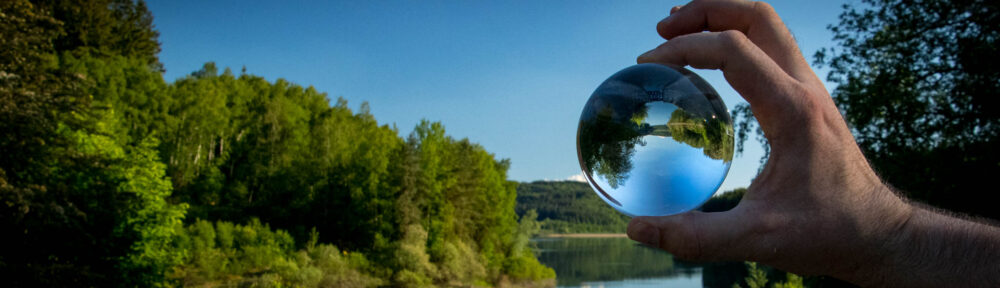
(892, 228)
(934, 249)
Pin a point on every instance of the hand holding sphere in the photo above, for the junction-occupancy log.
(817, 207)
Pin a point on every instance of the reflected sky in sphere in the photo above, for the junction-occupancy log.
(655, 140)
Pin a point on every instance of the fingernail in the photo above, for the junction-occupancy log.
(674, 9)
(646, 57)
(645, 233)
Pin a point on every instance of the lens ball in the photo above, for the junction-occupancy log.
(655, 140)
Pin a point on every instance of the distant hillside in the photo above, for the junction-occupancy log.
(573, 207)
(569, 207)
(723, 201)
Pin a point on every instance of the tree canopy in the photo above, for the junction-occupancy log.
(110, 176)
(917, 82)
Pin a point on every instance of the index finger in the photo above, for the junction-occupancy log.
(755, 76)
(757, 20)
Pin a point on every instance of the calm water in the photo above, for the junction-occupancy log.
(620, 262)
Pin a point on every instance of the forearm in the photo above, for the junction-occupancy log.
(937, 250)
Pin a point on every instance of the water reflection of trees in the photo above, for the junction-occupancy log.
(607, 144)
(578, 260)
(713, 136)
(608, 138)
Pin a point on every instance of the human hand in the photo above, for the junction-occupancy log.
(817, 207)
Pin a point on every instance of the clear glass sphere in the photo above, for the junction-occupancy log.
(655, 140)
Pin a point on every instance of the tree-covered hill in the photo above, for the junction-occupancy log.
(111, 176)
(569, 207)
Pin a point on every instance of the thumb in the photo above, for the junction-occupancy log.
(695, 235)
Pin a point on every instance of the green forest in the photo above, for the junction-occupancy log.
(112, 176)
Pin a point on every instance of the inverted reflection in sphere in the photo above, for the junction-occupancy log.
(655, 140)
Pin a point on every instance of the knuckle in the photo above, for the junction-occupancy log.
(812, 105)
(733, 39)
(765, 235)
(766, 224)
(763, 10)
(802, 106)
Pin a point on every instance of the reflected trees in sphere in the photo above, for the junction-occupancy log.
(655, 140)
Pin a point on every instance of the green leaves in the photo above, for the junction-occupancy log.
(914, 81)
(104, 160)
(223, 253)
(150, 220)
(242, 148)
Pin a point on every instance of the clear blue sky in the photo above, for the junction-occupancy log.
(510, 75)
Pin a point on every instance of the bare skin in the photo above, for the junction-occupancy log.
(817, 208)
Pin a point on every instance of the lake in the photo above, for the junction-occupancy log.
(620, 262)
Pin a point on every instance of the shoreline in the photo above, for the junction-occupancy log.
(584, 235)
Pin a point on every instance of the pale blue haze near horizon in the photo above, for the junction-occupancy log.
(512, 76)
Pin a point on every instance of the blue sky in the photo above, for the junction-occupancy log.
(510, 75)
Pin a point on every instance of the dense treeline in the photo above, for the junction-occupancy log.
(103, 163)
(253, 255)
(917, 81)
(568, 207)
(723, 201)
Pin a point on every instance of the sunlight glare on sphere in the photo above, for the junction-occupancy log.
(655, 140)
